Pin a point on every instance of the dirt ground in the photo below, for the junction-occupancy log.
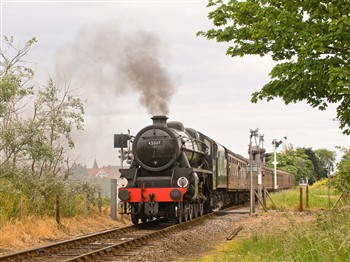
(202, 239)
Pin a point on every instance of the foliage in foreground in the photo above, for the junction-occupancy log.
(36, 125)
(29, 195)
(325, 240)
(308, 39)
(304, 162)
(342, 178)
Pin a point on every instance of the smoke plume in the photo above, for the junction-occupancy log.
(110, 60)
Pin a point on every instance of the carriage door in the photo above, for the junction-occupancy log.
(221, 168)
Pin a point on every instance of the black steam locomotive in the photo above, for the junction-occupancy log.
(180, 173)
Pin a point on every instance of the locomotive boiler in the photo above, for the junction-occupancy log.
(180, 173)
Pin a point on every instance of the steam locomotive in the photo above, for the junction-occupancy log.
(180, 173)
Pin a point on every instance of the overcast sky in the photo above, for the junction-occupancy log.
(92, 43)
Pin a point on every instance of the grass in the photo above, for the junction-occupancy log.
(289, 200)
(325, 239)
(32, 231)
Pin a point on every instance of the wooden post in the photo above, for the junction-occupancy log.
(234, 233)
(20, 208)
(267, 193)
(301, 200)
(336, 202)
(253, 210)
(262, 204)
(264, 196)
(58, 219)
(99, 203)
(329, 182)
(307, 196)
(85, 204)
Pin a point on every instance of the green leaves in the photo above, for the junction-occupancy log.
(38, 139)
(36, 126)
(310, 40)
(342, 176)
(59, 113)
(305, 162)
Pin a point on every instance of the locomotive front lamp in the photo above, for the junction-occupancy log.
(182, 182)
(122, 182)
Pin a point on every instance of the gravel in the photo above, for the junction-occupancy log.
(199, 240)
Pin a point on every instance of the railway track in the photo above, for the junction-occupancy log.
(98, 246)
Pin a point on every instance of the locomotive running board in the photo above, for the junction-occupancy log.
(199, 170)
(227, 212)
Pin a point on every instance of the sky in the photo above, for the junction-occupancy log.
(131, 59)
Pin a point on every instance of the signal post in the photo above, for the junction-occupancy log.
(120, 141)
(256, 159)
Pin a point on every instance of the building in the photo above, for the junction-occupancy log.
(99, 175)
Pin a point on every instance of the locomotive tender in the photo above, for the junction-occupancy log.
(180, 173)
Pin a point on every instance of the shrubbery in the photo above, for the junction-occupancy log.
(25, 195)
(342, 176)
(36, 125)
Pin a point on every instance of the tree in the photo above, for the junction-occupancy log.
(320, 159)
(310, 40)
(56, 113)
(296, 162)
(37, 143)
(15, 94)
(36, 125)
(325, 157)
(342, 176)
(315, 162)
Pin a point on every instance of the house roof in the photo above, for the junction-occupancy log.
(103, 172)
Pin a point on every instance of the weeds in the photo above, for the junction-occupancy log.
(289, 200)
(326, 239)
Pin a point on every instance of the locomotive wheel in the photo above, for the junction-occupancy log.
(135, 219)
(201, 209)
(179, 213)
(195, 210)
(186, 212)
(144, 219)
(191, 211)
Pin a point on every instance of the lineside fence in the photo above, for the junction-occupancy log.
(301, 198)
(58, 206)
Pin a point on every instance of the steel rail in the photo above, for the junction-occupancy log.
(117, 248)
(56, 247)
(111, 248)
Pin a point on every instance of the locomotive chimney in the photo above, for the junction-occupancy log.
(159, 120)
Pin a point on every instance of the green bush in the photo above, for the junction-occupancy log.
(37, 195)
